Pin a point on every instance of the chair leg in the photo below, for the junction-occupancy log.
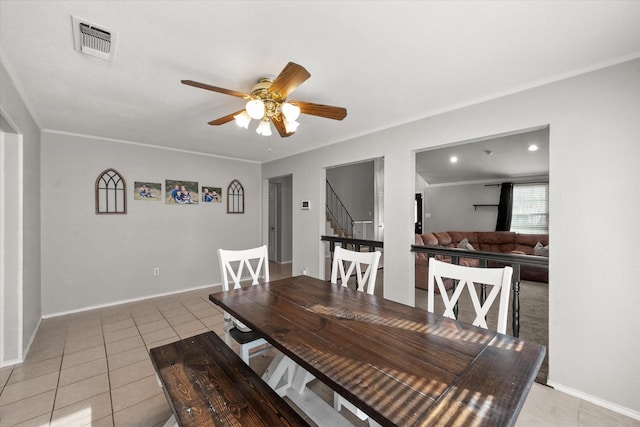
(337, 401)
(244, 353)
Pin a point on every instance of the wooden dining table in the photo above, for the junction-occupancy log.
(400, 365)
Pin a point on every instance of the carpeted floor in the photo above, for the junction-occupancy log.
(534, 316)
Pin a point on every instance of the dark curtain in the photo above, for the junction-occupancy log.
(505, 207)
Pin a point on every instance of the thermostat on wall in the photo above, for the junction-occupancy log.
(306, 205)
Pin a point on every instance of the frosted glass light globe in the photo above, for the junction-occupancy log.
(242, 120)
(255, 109)
(290, 111)
(264, 128)
(290, 126)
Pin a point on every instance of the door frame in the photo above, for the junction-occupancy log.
(273, 221)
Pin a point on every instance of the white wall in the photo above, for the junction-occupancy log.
(594, 137)
(27, 168)
(92, 260)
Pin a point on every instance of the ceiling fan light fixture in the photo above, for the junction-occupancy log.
(242, 120)
(264, 128)
(267, 102)
(255, 109)
(291, 111)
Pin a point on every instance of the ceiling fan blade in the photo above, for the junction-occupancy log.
(225, 119)
(292, 76)
(279, 125)
(215, 88)
(326, 111)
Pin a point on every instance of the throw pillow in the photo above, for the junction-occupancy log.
(540, 250)
(464, 244)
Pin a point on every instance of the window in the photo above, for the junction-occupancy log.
(111, 193)
(530, 212)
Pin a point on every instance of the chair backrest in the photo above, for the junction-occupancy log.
(498, 279)
(233, 263)
(365, 280)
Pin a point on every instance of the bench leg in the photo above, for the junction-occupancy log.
(171, 422)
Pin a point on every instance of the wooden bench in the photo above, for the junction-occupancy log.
(207, 384)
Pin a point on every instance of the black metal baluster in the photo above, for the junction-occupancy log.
(516, 299)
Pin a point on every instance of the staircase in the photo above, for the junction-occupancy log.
(338, 217)
(336, 230)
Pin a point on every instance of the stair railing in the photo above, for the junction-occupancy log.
(338, 212)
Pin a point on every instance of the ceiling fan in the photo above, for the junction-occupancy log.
(268, 102)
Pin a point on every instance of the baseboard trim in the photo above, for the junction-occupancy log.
(12, 362)
(111, 304)
(596, 400)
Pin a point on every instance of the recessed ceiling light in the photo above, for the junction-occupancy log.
(488, 152)
(453, 159)
(533, 147)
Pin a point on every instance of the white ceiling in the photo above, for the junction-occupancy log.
(493, 159)
(388, 63)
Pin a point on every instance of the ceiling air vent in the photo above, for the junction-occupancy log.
(92, 39)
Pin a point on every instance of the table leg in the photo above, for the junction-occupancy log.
(280, 367)
(301, 379)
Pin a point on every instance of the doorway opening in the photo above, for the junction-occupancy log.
(463, 184)
(355, 209)
(280, 222)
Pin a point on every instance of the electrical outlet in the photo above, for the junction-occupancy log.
(156, 271)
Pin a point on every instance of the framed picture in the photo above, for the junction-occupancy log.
(212, 194)
(150, 191)
(111, 193)
(235, 197)
(181, 192)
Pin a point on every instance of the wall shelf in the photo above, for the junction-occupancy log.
(475, 207)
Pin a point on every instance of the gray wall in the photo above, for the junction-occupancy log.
(354, 185)
(28, 288)
(594, 134)
(10, 247)
(92, 260)
(451, 208)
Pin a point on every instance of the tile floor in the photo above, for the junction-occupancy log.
(93, 369)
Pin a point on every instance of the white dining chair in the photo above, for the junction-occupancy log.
(365, 282)
(234, 267)
(497, 279)
(354, 261)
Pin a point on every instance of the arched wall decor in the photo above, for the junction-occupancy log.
(111, 193)
(235, 197)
